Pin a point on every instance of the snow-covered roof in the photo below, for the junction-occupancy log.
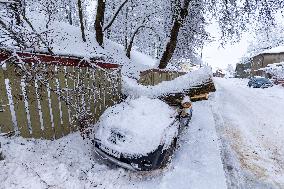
(278, 49)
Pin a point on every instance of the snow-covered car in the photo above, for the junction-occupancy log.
(140, 134)
(259, 82)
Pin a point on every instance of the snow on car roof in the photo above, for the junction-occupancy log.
(142, 122)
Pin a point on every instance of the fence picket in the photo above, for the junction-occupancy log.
(64, 107)
(71, 77)
(33, 109)
(6, 122)
(83, 77)
(55, 104)
(86, 81)
(48, 132)
(92, 94)
(98, 99)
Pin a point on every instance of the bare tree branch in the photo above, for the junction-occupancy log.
(115, 15)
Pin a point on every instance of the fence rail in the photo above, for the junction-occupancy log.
(43, 96)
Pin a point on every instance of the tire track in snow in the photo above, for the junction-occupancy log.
(241, 160)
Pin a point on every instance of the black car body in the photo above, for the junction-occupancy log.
(259, 82)
(156, 159)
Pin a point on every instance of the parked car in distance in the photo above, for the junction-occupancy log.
(140, 134)
(259, 82)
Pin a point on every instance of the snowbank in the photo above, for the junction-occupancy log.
(142, 122)
(189, 80)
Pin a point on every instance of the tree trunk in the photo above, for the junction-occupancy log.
(81, 20)
(171, 45)
(126, 30)
(129, 48)
(17, 9)
(69, 13)
(100, 22)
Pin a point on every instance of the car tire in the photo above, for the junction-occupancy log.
(168, 153)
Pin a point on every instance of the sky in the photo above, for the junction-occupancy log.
(220, 57)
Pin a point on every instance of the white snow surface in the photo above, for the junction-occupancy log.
(65, 39)
(187, 81)
(143, 122)
(251, 122)
(69, 163)
(278, 49)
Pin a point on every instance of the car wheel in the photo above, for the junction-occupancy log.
(168, 153)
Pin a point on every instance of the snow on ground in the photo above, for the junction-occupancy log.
(69, 162)
(250, 124)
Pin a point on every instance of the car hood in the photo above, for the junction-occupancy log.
(137, 126)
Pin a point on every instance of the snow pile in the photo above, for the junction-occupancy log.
(185, 82)
(142, 123)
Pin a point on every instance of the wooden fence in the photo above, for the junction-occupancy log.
(43, 96)
(154, 76)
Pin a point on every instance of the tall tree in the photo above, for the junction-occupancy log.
(99, 23)
(80, 10)
(171, 45)
(100, 16)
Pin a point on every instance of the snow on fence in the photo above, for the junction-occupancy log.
(155, 76)
(44, 96)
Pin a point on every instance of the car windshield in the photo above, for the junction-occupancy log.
(262, 80)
